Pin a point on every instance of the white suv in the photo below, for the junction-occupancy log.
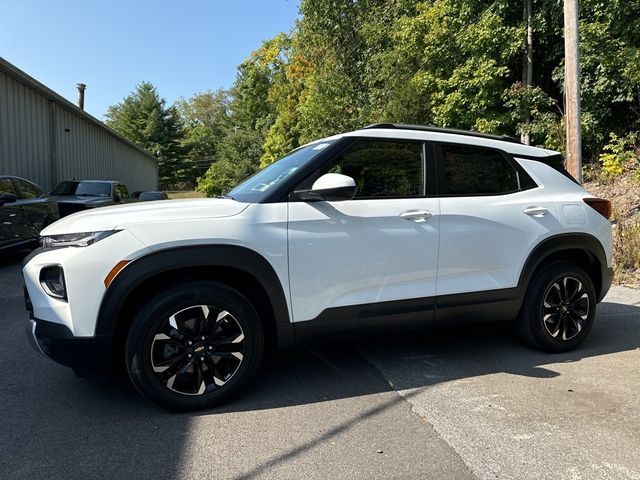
(391, 227)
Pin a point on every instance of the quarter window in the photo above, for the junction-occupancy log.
(467, 170)
(383, 169)
(6, 186)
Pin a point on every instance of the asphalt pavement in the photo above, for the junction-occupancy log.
(460, 403)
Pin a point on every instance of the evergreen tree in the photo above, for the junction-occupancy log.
(144, 118)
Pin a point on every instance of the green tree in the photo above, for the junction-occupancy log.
(144, 118)
(205, 117)
(251, 113)
(237, 159)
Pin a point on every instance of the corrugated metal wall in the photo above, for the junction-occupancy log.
(25, 129)
(45, 141)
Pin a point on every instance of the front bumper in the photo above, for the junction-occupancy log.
(85, 355)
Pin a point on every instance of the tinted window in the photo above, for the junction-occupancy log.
(121, 190)
(475, 171)
(145, 196)
(383, 169)
(26, 189)
(83, 189)
(6, 186)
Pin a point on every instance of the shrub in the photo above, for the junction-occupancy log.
(621, 154)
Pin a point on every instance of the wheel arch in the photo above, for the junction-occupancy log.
(582, 249)
(239, 267)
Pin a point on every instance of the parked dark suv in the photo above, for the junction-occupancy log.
(24, 211)
(77, 195)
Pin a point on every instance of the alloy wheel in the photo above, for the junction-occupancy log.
(197, 350)
(565, 308)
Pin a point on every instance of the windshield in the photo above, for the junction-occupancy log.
(257, 187)
(83, 189)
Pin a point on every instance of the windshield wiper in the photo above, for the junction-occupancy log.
(226, 196)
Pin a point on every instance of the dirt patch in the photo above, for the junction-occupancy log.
(624, 193)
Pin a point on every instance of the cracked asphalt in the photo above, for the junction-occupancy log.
(458, 403)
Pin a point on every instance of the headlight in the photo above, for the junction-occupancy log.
(75, 239)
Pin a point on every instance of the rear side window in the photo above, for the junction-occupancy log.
(6, 186)
(468, 170)
(26, 189)
(383, 169)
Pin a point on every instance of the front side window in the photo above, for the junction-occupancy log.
(383, 169)
(122, 192)
(260, 185)
(26, 189)
(468, 170)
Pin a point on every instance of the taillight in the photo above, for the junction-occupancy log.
(600, 205)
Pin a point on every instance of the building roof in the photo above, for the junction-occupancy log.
(27, 80)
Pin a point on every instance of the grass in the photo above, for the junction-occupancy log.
(185, 194)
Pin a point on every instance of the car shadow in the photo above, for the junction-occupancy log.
(335, 370)
(341, 369)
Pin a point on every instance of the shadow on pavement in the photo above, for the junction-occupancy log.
(337, 370)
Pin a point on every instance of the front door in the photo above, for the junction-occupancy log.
(381, 246)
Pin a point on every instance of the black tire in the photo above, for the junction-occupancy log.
(236, 335)
(553, 316)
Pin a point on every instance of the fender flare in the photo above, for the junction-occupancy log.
(156, 263)
(558, 243)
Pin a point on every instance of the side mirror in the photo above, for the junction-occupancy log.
(330, 187)
(7, 198)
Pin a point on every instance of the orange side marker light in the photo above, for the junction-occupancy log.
(114, 271)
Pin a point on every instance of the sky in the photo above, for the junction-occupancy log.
(182, 47)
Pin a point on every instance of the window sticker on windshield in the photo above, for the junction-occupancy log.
(321, 146)
(261, 187)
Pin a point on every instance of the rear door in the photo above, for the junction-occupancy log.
(380, 248)
(491, 215)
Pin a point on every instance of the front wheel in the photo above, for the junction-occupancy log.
(558, 309)
(194, 346)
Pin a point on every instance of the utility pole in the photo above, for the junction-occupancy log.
(527, 63)
(572, 89)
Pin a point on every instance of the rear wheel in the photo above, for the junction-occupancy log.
(194, 346)
(559, 308)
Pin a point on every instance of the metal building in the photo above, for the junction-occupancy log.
(46, 139)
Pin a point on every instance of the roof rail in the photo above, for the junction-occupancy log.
(431, 128)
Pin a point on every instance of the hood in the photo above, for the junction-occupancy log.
(79, 200)
(109, 218)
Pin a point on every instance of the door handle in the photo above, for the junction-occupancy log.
(416, 215)
(535, 211)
